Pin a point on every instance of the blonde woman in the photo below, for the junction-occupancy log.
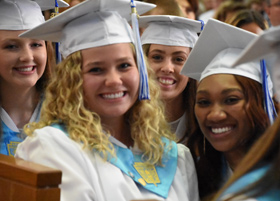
(108, 144)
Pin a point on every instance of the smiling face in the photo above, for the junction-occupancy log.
(220, 111)
(167, 62)
(22, 60)
(111, 79)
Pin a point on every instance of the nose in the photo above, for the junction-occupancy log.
(168, 67)
(113, 78)
(216, 114)
(26, 54)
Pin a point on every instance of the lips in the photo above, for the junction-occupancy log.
(113, 95)
(166, 81)
(25, 69)
(221, 130)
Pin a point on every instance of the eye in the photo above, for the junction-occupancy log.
(95, 70)
(202, 102)
(232, 100)
(36, 44)
(125, 65)
(11, 47)
(180, 59)
(156, 58)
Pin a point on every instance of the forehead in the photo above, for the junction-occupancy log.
(167, 48)
(183, 3)
(218, 82)
(10, 33)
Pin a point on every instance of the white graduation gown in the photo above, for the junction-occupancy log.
(85, 176)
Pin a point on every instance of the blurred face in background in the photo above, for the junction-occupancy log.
(186, 9)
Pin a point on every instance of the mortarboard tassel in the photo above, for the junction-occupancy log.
(268, 102)
(57, 53)
(144, 87)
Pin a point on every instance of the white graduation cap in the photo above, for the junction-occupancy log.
(264, 46)
(50, 4)
(23, 14)
(169, 30)
(219, 44)
(91, 23)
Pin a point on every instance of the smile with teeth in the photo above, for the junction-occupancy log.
(27, 69)
(221, 130)
(113, 95)
(166, 81)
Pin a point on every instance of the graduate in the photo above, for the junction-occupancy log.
(97, 125)
(25, 69)
(257, 176)
(167, 42)
(231, 105)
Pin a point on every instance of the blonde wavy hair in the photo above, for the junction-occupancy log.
(64, 104)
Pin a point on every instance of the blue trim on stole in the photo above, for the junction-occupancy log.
(9, 140)
(249, 178)
(126, 159)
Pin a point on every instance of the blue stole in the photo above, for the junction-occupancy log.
(249, 178)
(9, 140)
(156, 179)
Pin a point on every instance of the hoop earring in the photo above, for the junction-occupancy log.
(204, 149)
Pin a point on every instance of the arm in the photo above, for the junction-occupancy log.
(51, 147)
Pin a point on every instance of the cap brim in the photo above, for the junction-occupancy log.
(145, 20)
(45, 4)
(51, 30)
(262, 47)
(215, 37)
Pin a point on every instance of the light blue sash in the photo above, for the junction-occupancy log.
(126, 160)
(10, 140)
(249, 178)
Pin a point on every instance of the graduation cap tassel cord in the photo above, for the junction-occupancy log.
(58, 55)
(269, 106)
(144, 87)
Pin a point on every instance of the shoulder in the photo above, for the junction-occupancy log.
(47, 140)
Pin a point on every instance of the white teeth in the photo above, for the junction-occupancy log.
(112, 96)
(221, 130)
(25, 69)
(166, 81)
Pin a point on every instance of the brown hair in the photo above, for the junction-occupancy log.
(248, 16)
(265, 151)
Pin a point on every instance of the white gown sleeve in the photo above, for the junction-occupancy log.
(187, 168)
(47, 147)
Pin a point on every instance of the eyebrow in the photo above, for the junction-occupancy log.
(123, 59)
(226, 91)
(173, 53)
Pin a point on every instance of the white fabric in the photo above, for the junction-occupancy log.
(88, 177)
(179, 127)
(99, 29)
(169, 30)
(50, 4)
(92, 23)
(222, 62)
(19, 14)
(215, 37)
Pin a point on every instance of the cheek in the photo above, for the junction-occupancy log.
(132, 78)
(199, 114)
(41, 57)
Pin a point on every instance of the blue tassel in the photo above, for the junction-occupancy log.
(144, 93)
(58, 55)
(268, 102)
(202, 25)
